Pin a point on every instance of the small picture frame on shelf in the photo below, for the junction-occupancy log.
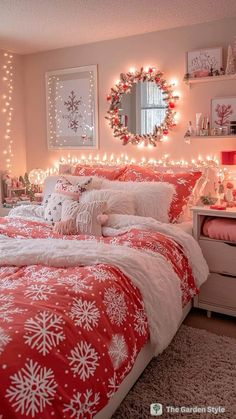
(204, 62)
(223, 115)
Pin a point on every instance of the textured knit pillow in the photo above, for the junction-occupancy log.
(53, 208)
(152, 199)
(81, 218)
(118, 202)
(184, 183)
(111, 173)
(65, 187)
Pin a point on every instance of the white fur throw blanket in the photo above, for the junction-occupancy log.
(156, 280)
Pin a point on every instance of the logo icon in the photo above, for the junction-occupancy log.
(156, 409)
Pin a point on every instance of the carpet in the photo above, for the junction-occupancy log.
(197, 369)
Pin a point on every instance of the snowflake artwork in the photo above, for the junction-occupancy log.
(83, 405)
(84, 313)
(32, 388)
(44, 332)
(7, 309)
(39, 292)
(118, 350)
(83, 360)
(223, 113)
(41, 275)
(116, 308)
(73, 115)
(4, 340)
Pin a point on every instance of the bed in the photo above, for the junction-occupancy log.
(82, 316)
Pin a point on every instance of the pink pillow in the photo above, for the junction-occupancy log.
(220, 229)
(111, 173)
(184, 183)
(65, 187)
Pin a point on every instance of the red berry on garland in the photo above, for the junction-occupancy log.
(150, 70)
(171, 105)
(165, 131)
(108, 97)
(157, 79)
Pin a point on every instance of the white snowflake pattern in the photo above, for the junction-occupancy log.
(83, 405)
(75, 282)
(83, 360)
(115, 306)
(101, 274)
(39, 292)
(130, 363)
(118, 350)
(40, 275)
(85, 313)
(44, 332)
(4, 340)
(32, 388)
(112, 385)
(9, 284)
(7, 309)
(140, 322)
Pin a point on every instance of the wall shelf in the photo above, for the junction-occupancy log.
(210, 79)
(212, 136)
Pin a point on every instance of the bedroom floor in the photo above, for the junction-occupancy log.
(219, 324)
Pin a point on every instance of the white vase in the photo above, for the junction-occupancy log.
(229, 195)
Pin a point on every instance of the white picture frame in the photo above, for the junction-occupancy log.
(221, 117)
(199, 62)
(72, 108)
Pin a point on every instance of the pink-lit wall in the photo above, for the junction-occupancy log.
(165, 50)
(18, 159)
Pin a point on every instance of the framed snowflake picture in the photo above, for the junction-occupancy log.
(223, 113)
(204, 62)
(72, 108)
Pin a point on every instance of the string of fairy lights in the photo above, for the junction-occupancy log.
(7, 108)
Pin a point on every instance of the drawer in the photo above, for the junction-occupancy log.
(220, 256)
(219, 290)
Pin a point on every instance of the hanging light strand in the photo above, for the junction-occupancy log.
(7, 109)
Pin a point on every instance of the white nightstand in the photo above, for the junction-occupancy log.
(4, 211)
(218, 293)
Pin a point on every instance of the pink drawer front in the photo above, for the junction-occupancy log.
(220, 256)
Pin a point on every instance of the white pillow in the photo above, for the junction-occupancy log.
(53, 207)
(152, 199)
(118, 202)
(85, 216)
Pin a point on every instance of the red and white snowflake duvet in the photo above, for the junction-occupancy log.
(69, 336)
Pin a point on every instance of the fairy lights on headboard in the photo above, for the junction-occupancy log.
(124, 159)
(7, 108)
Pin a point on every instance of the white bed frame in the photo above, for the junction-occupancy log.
(143, 359)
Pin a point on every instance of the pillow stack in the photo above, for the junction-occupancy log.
(64, 190)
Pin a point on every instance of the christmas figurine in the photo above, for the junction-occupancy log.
(230, 67)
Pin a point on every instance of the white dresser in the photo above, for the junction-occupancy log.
(218, 293)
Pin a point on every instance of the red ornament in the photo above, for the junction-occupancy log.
(150, 70)
(165, 131)
(171, 105)
(108, 97)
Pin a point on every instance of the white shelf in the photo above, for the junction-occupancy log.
(212, 136)
(209, 79)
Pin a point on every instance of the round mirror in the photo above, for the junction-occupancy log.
(142, 107)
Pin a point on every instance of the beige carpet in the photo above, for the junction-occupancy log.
(197, 369)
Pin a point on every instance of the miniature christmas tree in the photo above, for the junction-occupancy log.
(230, 67)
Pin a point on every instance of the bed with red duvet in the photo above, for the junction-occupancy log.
(76, 311)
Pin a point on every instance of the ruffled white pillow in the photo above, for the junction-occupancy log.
(118, 202)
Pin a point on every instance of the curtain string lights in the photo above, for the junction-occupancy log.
(7, 108)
